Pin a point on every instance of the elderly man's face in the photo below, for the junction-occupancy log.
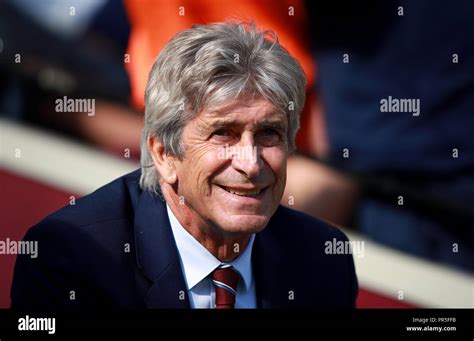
(234, 170)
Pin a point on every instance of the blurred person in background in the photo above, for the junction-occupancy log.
(53, 49)
(412, 167)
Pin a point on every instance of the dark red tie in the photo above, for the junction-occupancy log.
(225, 281)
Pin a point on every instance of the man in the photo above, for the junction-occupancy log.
(199, 226)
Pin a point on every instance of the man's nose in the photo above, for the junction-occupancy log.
(246, 158)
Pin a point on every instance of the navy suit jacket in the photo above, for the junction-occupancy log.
(114, 249)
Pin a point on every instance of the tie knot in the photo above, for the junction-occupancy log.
(225, 280)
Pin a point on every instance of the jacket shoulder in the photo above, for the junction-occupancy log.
(84, 241)
(305, 226)
(102, 219)
(307, 246)
(112, 201)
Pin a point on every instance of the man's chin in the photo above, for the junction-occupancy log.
(245, 224)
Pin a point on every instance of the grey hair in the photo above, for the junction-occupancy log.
(211, 65)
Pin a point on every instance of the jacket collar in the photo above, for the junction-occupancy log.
(157, 255)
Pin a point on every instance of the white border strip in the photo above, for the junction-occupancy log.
(72, 166)
(58, 161)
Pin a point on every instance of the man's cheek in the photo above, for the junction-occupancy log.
(275, 155)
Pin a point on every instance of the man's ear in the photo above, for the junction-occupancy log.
(164, 163)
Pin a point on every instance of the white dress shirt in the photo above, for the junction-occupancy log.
(197, 264)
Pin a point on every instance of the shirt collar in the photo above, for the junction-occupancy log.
(198, 262)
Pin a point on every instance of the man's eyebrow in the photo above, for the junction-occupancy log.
(267, 124)
(278, 125)
(219, 124)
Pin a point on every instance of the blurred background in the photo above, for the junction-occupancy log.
(397, 178)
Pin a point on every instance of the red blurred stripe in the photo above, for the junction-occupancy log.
(23, 203)
(368, 299)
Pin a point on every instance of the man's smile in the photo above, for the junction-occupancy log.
(244, 195)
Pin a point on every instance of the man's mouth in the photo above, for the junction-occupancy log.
(244, 192)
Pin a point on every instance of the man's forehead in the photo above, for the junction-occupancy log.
(243, 112)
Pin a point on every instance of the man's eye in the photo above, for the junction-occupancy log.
(269, 132)
(221, 132)
(269, 137)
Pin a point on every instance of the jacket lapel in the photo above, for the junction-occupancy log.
(270, 269)
(157, 255)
